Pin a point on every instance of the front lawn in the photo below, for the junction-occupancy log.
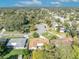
(50, 36)
(16, 52)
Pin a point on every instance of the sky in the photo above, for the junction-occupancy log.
(42, 3)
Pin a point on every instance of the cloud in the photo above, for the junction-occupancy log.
(29, 2)
(75, 0)
(56, 4)
(59, 3)
(25, 3)
(68, 0)
(34, 0)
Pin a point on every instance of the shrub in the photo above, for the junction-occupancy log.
(35, 35)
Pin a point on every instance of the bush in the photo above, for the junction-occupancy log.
(35, 35)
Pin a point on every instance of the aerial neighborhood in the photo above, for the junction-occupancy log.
(41, 33)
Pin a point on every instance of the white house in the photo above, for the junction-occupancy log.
(62, 29)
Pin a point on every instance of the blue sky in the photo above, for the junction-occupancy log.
(23, 3)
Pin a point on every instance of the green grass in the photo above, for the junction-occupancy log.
(16, 52)
(12, 34)
(50, 36)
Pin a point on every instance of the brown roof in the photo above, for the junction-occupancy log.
(33, 42)
(65, 41)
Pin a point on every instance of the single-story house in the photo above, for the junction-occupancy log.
(41, 28)
(17, 43)
(77, 22)
(62, 29)
(61, 18)
(62, 41)
(36, 43)
(4, 41)
(55, 26)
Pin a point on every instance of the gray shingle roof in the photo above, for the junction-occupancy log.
(17, 42)
(3, 40)
(41, 28)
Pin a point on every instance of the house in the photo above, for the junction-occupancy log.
(4, 41)
(70, 23)
(1, 33)
(59, 17)
(62, 41)
(54, 25)
(37, 43)
(77, 22)
(17, 43)
(62, 29)
(41, 28)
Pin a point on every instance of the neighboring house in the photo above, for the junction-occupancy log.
(77, 28)
(37, 43)
(4, 41)
(62, 29)
(77, 22)
(41, 28)
(54, 25)
(63, 41)
(1, 33)
(17, 43)
(70, 23)
(59, 17)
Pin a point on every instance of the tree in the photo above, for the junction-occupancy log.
(27, 54)
(52, 52)
(66, 25)
(38, 54)
(25, 28)
(1, 57)
(71, 29)
(76, 51)
(26, 20)
(2, 48)
(64, 52)
(75, 40)
(48, 22)
(35, 35)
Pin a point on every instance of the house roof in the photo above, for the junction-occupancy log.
(4, 41)
(37, 41)
(65, 41)
(17, 42)
(41, 28)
